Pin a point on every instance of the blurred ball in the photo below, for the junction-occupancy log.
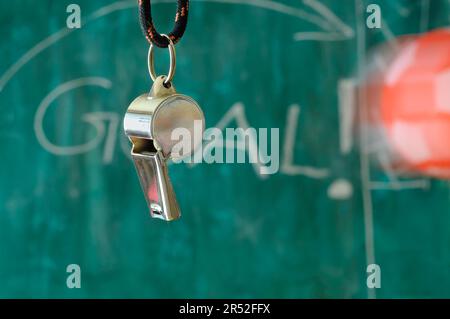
(415, 104)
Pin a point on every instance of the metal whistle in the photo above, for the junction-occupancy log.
(149, 122)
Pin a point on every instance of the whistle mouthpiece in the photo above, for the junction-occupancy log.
(151, 168)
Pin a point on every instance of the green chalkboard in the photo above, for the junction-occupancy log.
(69, 193)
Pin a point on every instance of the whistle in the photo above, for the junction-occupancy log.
(149, 122)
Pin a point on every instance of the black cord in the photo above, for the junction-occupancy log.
(150, 33)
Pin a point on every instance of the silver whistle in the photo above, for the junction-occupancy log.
(149, 122)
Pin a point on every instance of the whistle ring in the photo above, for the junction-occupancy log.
(172, 57)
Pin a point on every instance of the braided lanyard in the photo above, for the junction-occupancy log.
(149, 30)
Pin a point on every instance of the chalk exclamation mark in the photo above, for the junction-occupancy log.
(341, 188)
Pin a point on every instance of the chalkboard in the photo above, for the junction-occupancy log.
(70, 194)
